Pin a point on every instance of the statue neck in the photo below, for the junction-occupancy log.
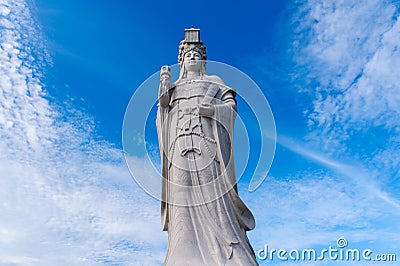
(193, 74)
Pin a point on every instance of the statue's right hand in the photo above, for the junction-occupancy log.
(164, 101)
(163, 94)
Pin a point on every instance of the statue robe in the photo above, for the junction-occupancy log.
(201, 210)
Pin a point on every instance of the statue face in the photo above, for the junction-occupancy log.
(192, 61)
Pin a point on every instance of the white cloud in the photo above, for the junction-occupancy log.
(66, 199)
(350, 50)
(315, 207)
(353, 172)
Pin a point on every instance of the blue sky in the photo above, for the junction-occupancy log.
(69, 68)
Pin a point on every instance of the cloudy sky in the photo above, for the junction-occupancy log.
(330, 72)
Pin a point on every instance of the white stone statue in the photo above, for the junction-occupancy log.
(201, 210)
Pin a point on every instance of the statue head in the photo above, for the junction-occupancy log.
(191, 51)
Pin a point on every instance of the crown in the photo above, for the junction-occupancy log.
(191, 42)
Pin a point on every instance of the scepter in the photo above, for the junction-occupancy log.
(163, 99)
(165, 86)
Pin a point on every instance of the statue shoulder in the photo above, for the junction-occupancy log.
(224, 90)
(214, 78)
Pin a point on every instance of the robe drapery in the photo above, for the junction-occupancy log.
(201, 210)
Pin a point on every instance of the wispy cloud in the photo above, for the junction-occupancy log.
(355, 173)
(315, 206)
(350, 52)
(66, 199)
(346, 52)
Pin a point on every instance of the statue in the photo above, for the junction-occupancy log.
(201, 210)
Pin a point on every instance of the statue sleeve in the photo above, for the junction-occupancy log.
(224, 119)
(161, 124)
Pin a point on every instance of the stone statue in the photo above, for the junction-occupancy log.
(201, 210)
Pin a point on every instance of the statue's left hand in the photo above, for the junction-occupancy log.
(205, 110)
